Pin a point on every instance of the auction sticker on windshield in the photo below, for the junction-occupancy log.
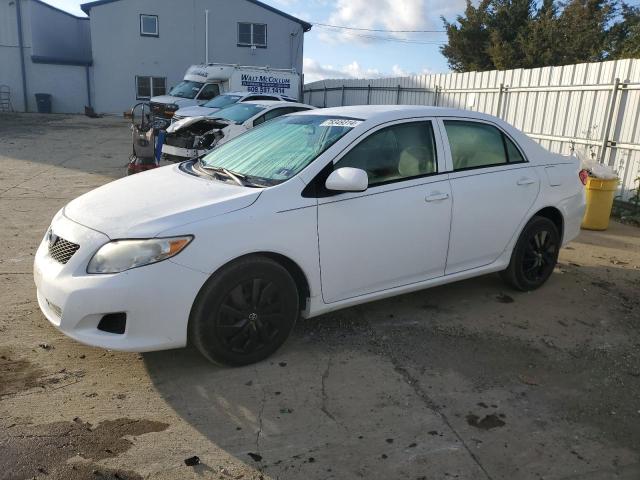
(341, 122)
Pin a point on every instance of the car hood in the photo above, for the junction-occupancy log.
(187, 122)
(196, 111)
(145, 204)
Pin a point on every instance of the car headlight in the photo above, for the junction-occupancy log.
(121, 255)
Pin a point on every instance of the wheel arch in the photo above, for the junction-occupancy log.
(302, 282)
(297, 273)
(555, 215)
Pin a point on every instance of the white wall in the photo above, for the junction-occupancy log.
(10, 52)
(66, 83)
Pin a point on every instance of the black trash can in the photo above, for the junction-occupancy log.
(43, 100)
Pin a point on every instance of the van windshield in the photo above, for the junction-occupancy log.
(277, 150)
(186, 89)
(222, 101)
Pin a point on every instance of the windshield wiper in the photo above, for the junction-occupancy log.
(239, 178)
(236, 177)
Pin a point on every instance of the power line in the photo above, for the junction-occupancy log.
(397, 40)
(394, 39)
(341, 27)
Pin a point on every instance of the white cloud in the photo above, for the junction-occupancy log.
(387, 15)
(398, 71)
(314, 71)
(371, 14)
(71, 6)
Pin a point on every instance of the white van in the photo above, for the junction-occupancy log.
(203, 82)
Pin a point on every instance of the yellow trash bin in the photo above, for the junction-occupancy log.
(600, 194)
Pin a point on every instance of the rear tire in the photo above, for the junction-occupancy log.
(535, 255)
(245, 312)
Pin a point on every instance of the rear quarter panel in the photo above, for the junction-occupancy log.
(562, 188)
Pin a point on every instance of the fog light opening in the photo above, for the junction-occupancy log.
(113, 323)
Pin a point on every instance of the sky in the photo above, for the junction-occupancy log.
(341, 53)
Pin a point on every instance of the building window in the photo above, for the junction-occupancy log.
(147, 87)
(252, 34)
(149, 26)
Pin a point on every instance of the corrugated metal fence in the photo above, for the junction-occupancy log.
(593, 108)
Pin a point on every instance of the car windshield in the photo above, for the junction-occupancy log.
(222, 101)
(239, 112)
(279, 149)
(186, 89)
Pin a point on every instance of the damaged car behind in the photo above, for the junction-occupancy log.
(194, 136)
(225, 100)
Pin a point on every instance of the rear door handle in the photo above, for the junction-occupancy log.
(526, 181)
(436, 197)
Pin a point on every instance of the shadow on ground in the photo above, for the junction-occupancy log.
(469, 380)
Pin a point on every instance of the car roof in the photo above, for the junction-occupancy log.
(383, 113)
(245, 93)
(277, 103)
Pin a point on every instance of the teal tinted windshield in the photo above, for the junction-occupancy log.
(238, 112)
(279, 149)
(222, 101)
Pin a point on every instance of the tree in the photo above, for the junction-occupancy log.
(509, 22)
(584, 30)
(542, 42)
(469, 39)
(504, 34)
(624, 36)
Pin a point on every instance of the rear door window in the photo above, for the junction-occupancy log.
(276, 112)
(477, 145)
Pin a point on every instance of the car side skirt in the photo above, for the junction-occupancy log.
(317, 307)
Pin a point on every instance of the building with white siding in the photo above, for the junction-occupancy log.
(44, 50)
(126, 50)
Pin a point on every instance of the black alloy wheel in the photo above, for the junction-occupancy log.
(540, 256)
(245, 312)
(535, 255)
(250, 316)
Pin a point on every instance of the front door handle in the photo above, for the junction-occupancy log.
(436, 197)
(526, 181)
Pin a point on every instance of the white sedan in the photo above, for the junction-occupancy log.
(309, 213)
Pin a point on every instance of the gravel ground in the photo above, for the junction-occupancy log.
(468, 381)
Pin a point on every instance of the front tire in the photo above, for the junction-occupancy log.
(245, 312)
(534, 256)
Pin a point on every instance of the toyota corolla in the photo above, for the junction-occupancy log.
(308, 213)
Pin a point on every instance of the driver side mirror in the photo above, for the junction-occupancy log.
(348, 179)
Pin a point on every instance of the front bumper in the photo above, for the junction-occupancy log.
(157, 298)
(184, 153)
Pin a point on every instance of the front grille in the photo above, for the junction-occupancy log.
(62, 250)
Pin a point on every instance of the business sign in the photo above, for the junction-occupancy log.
(265, 83)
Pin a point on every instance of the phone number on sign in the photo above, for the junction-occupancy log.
(266, 90)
